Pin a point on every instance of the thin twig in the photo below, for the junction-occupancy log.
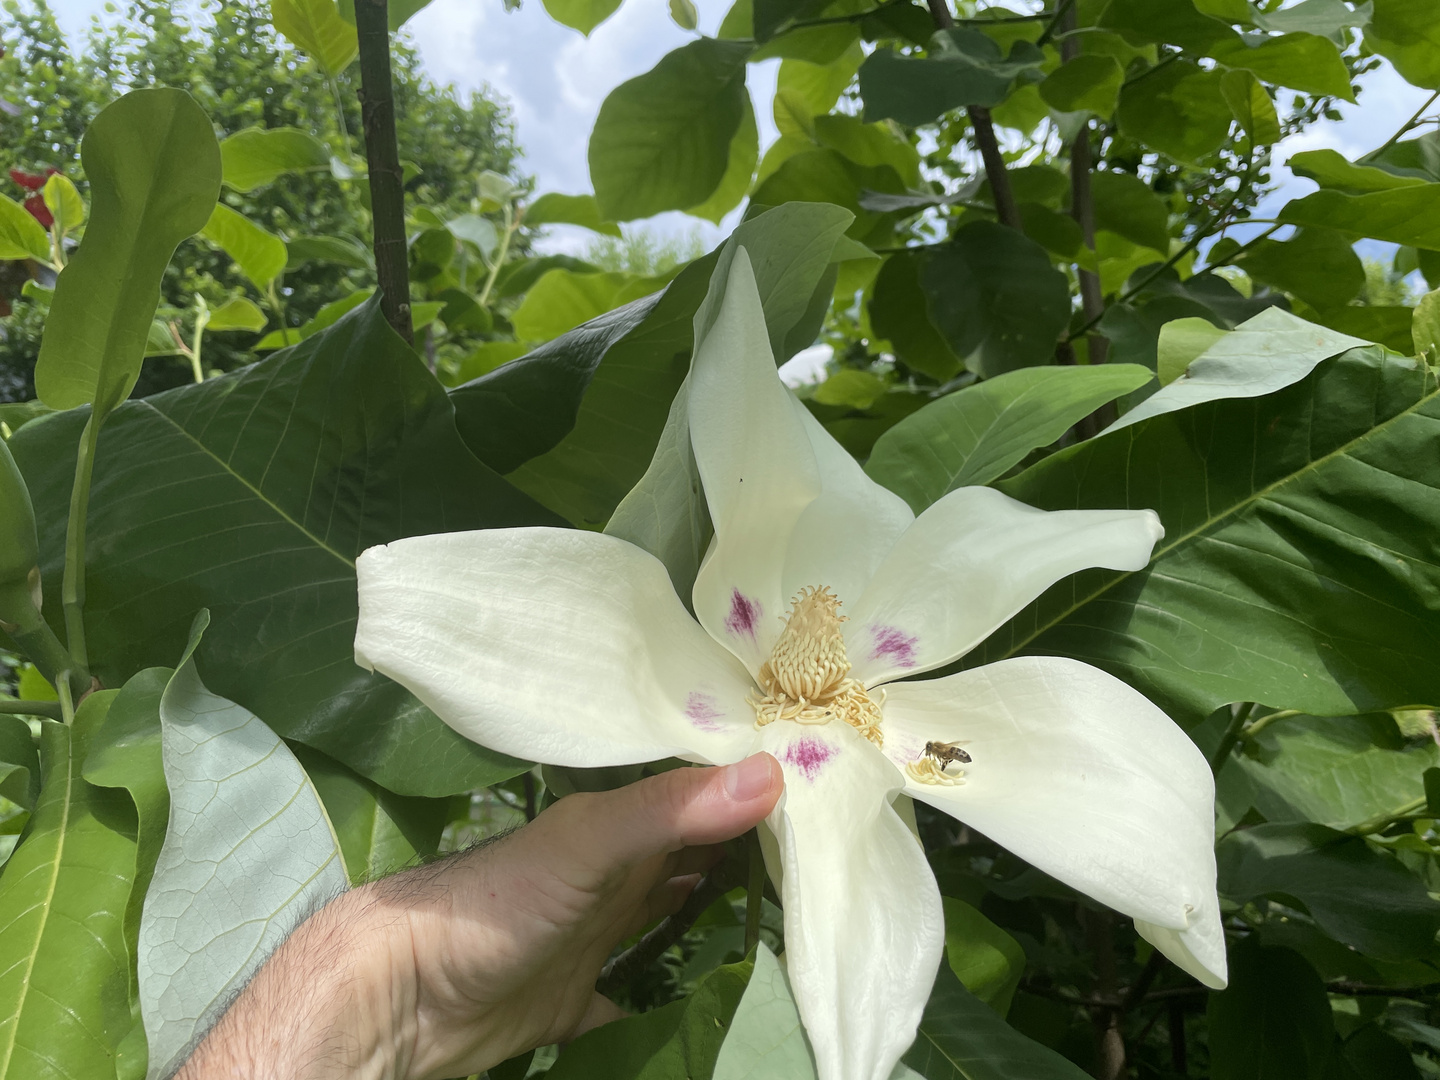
(620, 971)
(1408, 126)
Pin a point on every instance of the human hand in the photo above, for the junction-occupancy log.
(448, 969)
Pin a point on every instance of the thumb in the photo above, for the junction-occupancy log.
(677, 809)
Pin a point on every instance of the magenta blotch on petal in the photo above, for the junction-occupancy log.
(701, 710)
(893, 644)
(809, 755)
(744, 614)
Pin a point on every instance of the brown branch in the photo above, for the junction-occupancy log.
(620, 971)
(985, 140)
(387, 194)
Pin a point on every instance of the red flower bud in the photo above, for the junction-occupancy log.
(39, 211)
(30, 181)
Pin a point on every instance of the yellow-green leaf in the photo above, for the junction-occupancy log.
(64, 203)
(316, 27)
(259, 254)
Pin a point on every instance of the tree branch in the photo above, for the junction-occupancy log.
(620, 971)
(387, 194)
(985, 140)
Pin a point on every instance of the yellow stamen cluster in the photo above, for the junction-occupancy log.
(807, 678)
(926, 770)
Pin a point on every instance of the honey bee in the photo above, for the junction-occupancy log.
(946, 754)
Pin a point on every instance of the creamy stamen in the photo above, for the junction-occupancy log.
(806, 679)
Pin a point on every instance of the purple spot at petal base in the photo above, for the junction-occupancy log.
(744, 614)
(893, 644)
(809, 755)
(701, 710)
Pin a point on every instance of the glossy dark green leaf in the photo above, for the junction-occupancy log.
(154, 171)
(739, 170)
(1317, 265)
(1178, 109)
(379, 832)
(64, 968)
(962, 1038)
(1273, 1021)
(556, 209)
(1357, 895)
(1407, 33)
(1296, 550)
(1334, 771)
(976, 434)
(252, 494)
(576, 422)
(1406, 215)
(993, 295)
(19, 762)
(679, 1039)
(256, 156)
(964, 67)
(662, 139)
(897, 314)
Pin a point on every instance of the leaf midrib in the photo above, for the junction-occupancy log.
(1211, 522)
(260, 495)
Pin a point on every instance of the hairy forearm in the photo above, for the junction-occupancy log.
(336, 1000)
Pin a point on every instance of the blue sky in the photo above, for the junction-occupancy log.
(555, 80)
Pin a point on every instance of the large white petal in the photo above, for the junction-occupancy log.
(845, 534)
(1083, 777)
(970, 562)
(555, 645)
(863, 924)
(757, 467)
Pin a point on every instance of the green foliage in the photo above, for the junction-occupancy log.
(1108, 340)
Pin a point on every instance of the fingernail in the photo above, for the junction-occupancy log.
(749, 778)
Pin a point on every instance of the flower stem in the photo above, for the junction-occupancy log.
(72, 590)
(50, 709)
(754, 891)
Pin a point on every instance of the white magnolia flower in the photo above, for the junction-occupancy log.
(821, 587)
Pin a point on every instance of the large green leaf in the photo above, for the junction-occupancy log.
(962, 1038)
(1176, 108)
(828, 176)
(21, 236)
(682, 1038)
(260, 255)
(563, 299)
(154, 171)
(1273, 1021)
(316, 27)
(64, 968)
(1298, 550)
(898, 314)
(247, 855)
(1306, 62)
(595, 401)
(1269, 351)
(256, 156)
(739, 170)
(379, 832)
(252, 494)
(976, 434)
(662, 139)
(556, 209)
(995, 297)
(1330, 169)
(987, 960)
(582, 15)
(1357, 895)
(1406, 215)
(125, 753)
(1088, 83)
(19, 762)
(1128, 207)
(1317, 265)
(1407, 33)
(964, 67)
